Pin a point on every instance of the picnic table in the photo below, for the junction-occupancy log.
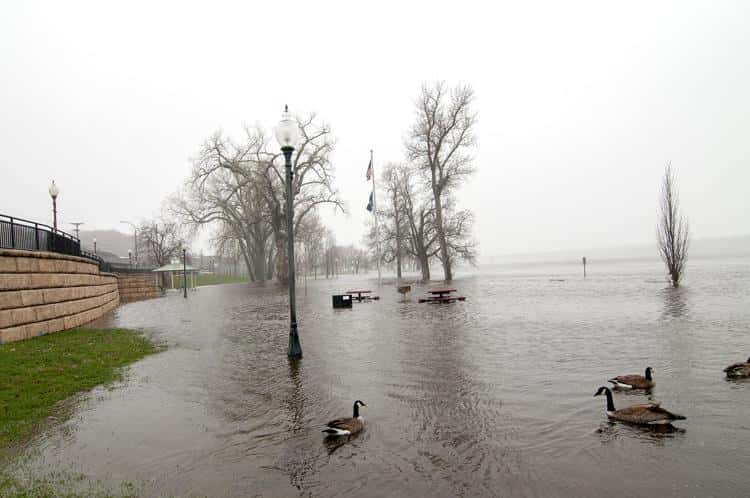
(360, 295)
(441, 295)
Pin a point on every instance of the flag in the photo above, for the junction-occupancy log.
(371, 204)
(369, 170)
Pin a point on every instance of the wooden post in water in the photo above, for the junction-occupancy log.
(584, 267)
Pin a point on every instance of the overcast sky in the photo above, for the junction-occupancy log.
(580, 104)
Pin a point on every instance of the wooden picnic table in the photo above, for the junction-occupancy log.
(441, 295)
(441, 292)
(358, 294)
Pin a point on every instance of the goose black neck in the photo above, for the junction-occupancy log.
(648, 374)
(356, 410)
(610, 403)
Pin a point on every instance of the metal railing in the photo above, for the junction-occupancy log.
(17, 233)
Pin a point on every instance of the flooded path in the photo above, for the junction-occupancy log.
(490, 397)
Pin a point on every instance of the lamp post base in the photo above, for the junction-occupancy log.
(295, 348)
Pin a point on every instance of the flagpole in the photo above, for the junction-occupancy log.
(375, 212)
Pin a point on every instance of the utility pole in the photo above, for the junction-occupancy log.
(77, 224)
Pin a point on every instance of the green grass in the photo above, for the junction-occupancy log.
(39, 373)
(213, 279)
(59, 485)
(209, 279)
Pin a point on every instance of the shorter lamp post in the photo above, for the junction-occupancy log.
(130, 258)
(94, 245)
(54, 192)
(287, 134)
(135, 239)
(184, 273)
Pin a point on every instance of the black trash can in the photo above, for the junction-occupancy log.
(342, 301)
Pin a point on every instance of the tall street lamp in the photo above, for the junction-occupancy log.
(54, 192)
(135, 240)
(184, 273)
(94, 245)
(130, 258)
(287, 134)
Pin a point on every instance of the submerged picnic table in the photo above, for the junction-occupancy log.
(358, 295)
(441, 295)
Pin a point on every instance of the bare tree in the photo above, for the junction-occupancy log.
(242, 185)
(439, 144)
(673, 234)
(310, 236)
(162, 238)
(394, 231)
(224, 189)
(419, 216)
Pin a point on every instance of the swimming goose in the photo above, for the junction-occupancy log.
(649, 413)
(738, 370)
(634, 381)
(346, 426)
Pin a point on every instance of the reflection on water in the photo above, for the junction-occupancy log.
(675, 302)
(610, 431)
(489, 397)
(333, 443)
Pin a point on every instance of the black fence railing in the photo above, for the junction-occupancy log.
(17, 233)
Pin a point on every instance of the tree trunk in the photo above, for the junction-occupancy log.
(424, 264)
(282, 265)
(269, 263)
(445, 258)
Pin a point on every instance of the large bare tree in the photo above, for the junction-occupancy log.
(439, 143)
(419, 216)
(163, 239)
(312, 182)
(224, 189)
(242, 185)
(393, 231)
(673, 233)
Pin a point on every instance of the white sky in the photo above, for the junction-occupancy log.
(581, 104)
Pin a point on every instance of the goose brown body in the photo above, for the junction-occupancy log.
(647, 413)
(738, 370)
(634, 381)
(346, 426)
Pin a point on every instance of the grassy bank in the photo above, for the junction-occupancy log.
(209, 279)
(38, 373)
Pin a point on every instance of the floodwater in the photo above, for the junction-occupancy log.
(489, 397)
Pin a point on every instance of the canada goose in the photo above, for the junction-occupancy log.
(346, 426)
(634, 381)
(738, 370)
(649, 413)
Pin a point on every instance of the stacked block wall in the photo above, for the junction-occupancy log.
(136, 286)
(42, 293)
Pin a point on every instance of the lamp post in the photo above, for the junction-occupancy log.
(94, 245)
(135, 240)
(287, 134)
(54, 192)
(184, 273)
(130, 258)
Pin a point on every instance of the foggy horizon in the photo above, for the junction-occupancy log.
(580, 108)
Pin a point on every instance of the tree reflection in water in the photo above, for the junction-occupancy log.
(675, 303)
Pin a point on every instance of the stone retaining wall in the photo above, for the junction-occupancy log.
(43, 292)
(135, 286)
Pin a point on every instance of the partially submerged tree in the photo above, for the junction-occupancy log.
(419, 216)
(439, 145)
(393, 230)
(673, 234)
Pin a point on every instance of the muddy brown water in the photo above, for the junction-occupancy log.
(489, 397)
